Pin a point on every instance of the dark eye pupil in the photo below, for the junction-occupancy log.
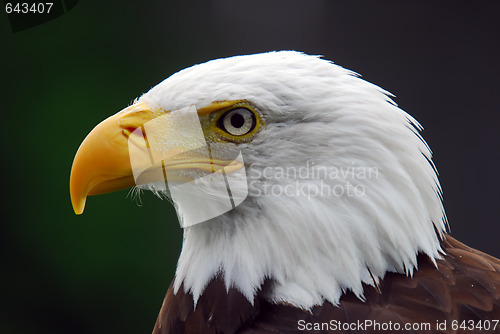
(237, 121)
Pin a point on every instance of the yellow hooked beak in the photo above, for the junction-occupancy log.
(102, 163)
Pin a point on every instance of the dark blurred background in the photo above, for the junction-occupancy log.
(107, 270)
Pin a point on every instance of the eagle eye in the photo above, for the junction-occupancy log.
(238, 121)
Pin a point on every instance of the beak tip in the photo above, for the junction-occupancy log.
(79, 207)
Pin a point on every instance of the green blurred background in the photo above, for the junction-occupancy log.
(108, 270)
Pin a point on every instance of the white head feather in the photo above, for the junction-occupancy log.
(314, 246)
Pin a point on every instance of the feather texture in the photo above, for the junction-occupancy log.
(318, 116)
(464, 286)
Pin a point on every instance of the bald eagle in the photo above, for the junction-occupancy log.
(309, 202)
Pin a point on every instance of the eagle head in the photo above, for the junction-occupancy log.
(282, 166)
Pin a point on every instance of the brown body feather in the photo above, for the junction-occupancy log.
(465, 286)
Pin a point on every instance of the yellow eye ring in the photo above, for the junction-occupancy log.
(237, 123)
